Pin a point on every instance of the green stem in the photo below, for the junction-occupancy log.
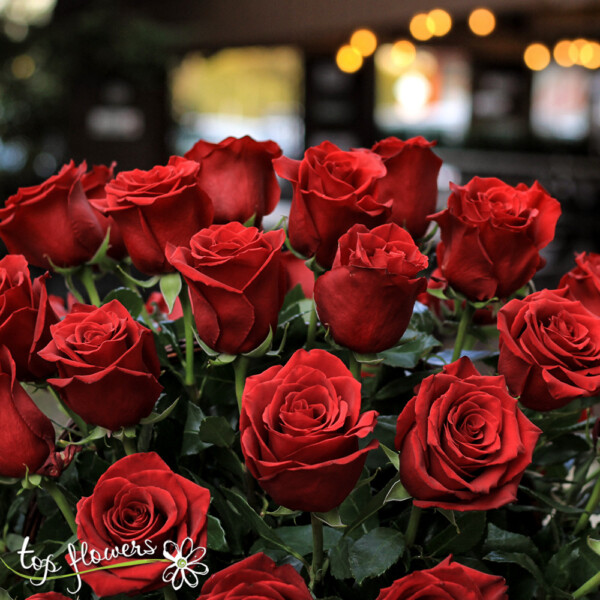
(188, 320)
(590, 585)
(129, 445)
(316, 569)
(71, 287)
(465, 319)
(61, 502)
(591, 505)
(81, 424)
(240, 368)
(169, 593)
(355, 367)
(312, 327)
(413, 526)
(87, 278)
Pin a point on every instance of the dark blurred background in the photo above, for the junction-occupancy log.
(512, 91)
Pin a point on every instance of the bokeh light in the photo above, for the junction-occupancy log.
(348, 59)
(438, 22)
(23, 66)
(562, 53)
(589, 55)
(482, 21)
(365, 41)
(536, 57)
(419, 29)
(403, 53)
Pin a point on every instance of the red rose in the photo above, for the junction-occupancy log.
(583, 281)
(256, 577)
(368, 297)
(549, 349)
(26, 434)
(298, 273)
(411, 181)
(236, 283)
(139, 499)
(53, 221)
(94, 184)
(492, 234)
(333, 190)
(157, 302)
(155, 207)
(47, 596)
(25, 317)
(300, 426)
(448, 580)
(107, 365)
(238, 176)
(463, 441)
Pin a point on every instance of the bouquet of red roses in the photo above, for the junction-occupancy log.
(324, 410)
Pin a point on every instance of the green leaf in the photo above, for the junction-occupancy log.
(451, 517)
(594, 545)
(250, 517)
(170, 286)
(216, 431)
(375, 552)
(4, 595)
(299, 537)
(437, 293)
(570, 510)
(131, 300)
(368, 359)
(397, 493)
(147, 283)
(296, 310)
(192, 444)
(206, 349)
(517, 558)
(413, 346)
(499, 539)
(95, 434)
(215, 535)
(331, 518)
(158, 417)
(392, 455)
(9, 480)
(282, 511)
(339, 559)
(222, 359)
(471, 525)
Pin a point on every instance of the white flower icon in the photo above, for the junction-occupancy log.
(186, 563)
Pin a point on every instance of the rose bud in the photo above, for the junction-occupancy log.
(53, 221)
(236, 283)
(140, 501)
(410, 182)
(448, 580)
(333, 190)
(583, 281)
(492, 234)
(464, 443)
(26, 434)
(298, 274)
(256, 577)
(94, 184)
(238, 176)
(549, 349)
(25, 317)
(153, 208)
(367, 298)
(300, 428)
(107, 365)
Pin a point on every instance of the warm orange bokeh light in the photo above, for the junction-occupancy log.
(348, 59)
(403, 53)
(537, 57)
(438, 22)
(589, 55)
(482, 21)
(418, 27)
(365, 41)
(562, 53)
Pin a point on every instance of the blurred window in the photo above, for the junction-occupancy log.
(252, 91)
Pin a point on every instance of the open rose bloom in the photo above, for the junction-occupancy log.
(355, 404)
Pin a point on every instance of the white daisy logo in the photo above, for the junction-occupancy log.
(186, 565)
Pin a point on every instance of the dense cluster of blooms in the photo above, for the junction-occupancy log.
(291, 401)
